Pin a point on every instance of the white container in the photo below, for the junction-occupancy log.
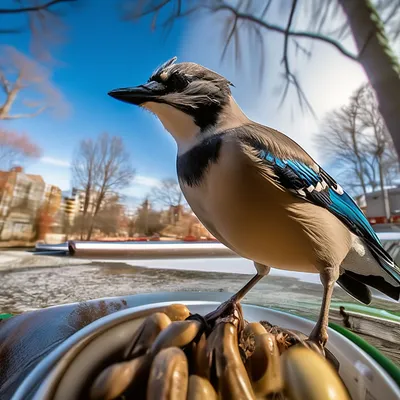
(363, 376)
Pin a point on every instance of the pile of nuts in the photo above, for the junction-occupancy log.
(177, 356)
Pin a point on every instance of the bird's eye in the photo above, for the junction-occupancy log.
(164, 76)
(174, 82)
(160, 78)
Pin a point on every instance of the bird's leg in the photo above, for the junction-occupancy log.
(319, 334)
(228, 306)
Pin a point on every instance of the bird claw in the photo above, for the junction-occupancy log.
(319, 337)
(316, 346)
(324, 352)
(230, 308)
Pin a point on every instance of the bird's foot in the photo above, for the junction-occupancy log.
(230, 308)
(317, 339)
(319, 336)
(315, 346)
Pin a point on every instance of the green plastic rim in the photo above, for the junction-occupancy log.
(388, 365)
(393, 316)
(5, 316)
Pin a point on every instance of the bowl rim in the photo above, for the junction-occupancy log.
(45, 366)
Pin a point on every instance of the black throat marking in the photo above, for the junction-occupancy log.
(204, 116)
(192, 165)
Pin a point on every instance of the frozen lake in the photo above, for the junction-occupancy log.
(223, 265)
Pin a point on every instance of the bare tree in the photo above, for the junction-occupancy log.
(148, 221)
(376, 56)
(340, 141)
(19, 73)
(101, 168)
(85, 168)
(110, 215)
(355, 138)
(328, 22)
(128, 220)
(378, 141)
(168, 194)
(16, 148)
(43, 18)
(391, 170)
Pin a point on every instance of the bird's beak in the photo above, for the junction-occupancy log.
(138, 95)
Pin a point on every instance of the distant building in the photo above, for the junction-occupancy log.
(70, 205)
(197, 229)
(52, 209)
(172, 214)
(81, 197)
(187, 224)
(374, 206)
(21, 196)
(73, 203)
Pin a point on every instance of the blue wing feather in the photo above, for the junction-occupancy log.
(341, 203)
(322, 190)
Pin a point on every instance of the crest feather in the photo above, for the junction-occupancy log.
(164, 65)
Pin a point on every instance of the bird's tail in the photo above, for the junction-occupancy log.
(392, 287)
(355, 288)
(372, 266)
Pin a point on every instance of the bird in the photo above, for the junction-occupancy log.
(260, 193)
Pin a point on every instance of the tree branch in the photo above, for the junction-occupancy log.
(39, 7)
(167, 25)
(266, 8)
(289, 76)
(230, 36)
(27, 115)
(5, 84)
(10, 31)
(286, 42)
(257, 20)
(276, 28)
(239, 16)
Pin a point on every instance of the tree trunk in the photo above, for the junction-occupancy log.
(91, 226)
(6, 107)
(359, 164)
(88, 192)
(89, 234)
(378, 60)
(384, 192)
(364, 188)
(99, 202)
(362, 182)
(146, 221)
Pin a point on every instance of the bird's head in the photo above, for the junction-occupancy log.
(187, 97)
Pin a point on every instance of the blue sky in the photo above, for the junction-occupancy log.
(101, 53)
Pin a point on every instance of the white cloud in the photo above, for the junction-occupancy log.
(55, 161)
(146, 181)
(53, 176)
(140, 188)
